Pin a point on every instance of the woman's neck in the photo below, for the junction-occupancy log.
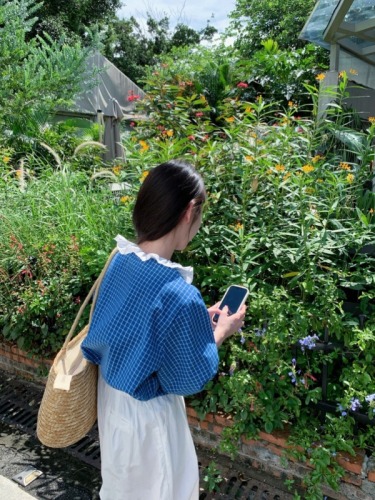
(162, 247)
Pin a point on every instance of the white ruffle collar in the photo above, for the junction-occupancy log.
(125, 246)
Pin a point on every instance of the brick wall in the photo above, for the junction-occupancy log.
(17, 361)
(266, 452)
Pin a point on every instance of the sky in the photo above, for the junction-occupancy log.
(193, 13)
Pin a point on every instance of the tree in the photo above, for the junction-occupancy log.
(71, 18)
(36, 76)
(256, 21)
(132, 49)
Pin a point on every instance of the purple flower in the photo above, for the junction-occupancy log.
(308, 342)
(355, 404)
(370, 398)
(242, 339)
(342, 410)
(294, 362)
(260, 332)
(292, 377)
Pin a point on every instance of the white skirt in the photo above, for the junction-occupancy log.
(147, 452)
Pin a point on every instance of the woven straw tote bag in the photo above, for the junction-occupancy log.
(68, 408)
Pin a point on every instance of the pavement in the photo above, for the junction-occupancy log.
(11, 491)
(64, 477)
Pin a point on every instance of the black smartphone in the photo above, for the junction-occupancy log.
(234, 297)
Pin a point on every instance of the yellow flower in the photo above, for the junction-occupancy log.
(320, 76)
(124, 199)
(230, 119)
(286, 176)
(290, 104)
(353, 71)
(169, 133)
(371, 211)
(249, 158)
(371, 119)
(238, 226)
(248, 109)
(6, 159)
(317, 158)
(344, 165)
(144, 175)
(144, 145)
(307, 169)
(350, 178)
(116, 169)
(19, 173)
(342, 74)
(280, 168)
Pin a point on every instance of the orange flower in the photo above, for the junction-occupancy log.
(238, 226)
(230, 119)
(116, 169)
(249, 158)
(280, 168)
(320, 76)
(144, 145)
(317, 158)
(344, 165)
(342, 74)
(353, 71)
(286, 176)
(124, 199)
(371, 119)
(169, 133)
(350, 178)
(307, 169)
(144, 175)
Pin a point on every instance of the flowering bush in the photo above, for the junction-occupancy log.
(291, 216)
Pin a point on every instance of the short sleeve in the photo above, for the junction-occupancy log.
(190, 353)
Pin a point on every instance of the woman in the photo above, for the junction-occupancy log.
(154, 342)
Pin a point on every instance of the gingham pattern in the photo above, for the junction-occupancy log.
(150, 332)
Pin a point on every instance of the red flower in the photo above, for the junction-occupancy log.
(131, 124)
(242, 85)
(191, 137)
(199, 114)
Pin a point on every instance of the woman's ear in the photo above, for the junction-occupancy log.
(189, 212)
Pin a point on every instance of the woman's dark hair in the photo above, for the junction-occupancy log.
(164, 198)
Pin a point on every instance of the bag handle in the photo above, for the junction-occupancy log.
(95, 288)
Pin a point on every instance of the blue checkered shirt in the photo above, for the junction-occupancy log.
(150, 332)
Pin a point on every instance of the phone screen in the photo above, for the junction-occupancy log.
(234, 297)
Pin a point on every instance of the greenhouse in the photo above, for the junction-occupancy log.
(347, 29)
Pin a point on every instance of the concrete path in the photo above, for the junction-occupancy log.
(12, 491)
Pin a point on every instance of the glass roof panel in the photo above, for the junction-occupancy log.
(356, 31)
(318, 21)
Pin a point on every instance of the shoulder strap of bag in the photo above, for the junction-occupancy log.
(94, 288)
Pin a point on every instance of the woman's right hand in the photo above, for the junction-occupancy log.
(228, 325)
